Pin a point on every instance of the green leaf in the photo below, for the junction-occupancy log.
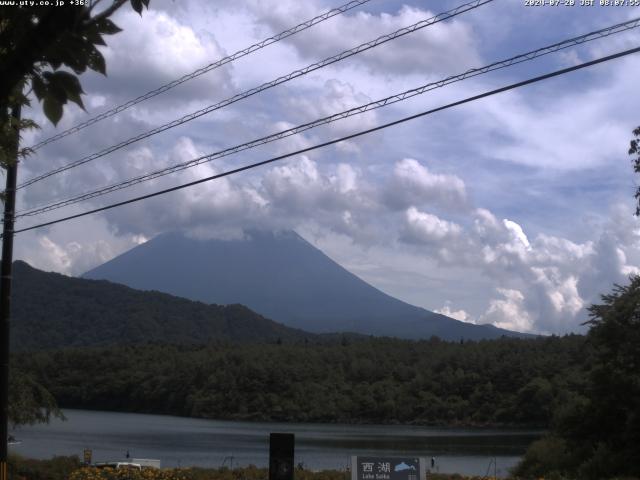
(74, 51)
(96, 62)
(52, 109)
(54, 89)
(39, 88)
(93, 36)
(68, 81)
(71, 86)
(107, 27)
(137, 6)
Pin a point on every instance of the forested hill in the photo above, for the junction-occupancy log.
(50, 310)
(507, 381)
(284, 277)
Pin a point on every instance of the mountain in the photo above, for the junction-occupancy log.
(50, 311)
(283, 277)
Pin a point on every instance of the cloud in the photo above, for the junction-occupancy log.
(531, 127)
(508, 312)
(222, 201)
(426, 228)
(545, 284)
(334, 96)
(457, 314)
(414, 184)
(516, 232)
(436, 49)
(74, 257)
(74, 247)
(165, 49)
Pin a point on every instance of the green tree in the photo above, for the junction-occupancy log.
(634, 149)
(44, 48)
(612, 421)
(597, 435)
(29, 401)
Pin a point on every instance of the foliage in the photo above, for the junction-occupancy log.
(58, 468)
(29, 401)
(47, 47)
(36, 42)
(600, 430)
(634, 149)
(246, 473)
(38, 47)
(548, 456)
(68, 468)
(92, 473)
(378, 380)
(90, 312)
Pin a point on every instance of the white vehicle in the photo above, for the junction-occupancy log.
(119, 465)
(147, 462)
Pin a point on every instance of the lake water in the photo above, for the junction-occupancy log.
(185, 442)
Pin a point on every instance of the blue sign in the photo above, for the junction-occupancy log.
(387, 468)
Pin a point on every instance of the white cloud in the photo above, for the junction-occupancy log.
(328, 98)
(580, 129)
(74, 247)
(516, 232)
(457, 314)
(437, 48)
(165, 49)
(508, 312)
(414, 184)
(427, 228)
(556, 278)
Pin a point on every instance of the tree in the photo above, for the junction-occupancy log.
(43, 48)
(35, 44)
(599, 435)
(613, 411)
(634, 149)
(29, 401)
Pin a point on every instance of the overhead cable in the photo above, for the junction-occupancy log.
(201, 71)
(338, 140)
(524, 57)
(265, 86)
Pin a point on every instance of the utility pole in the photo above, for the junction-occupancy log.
(5, 292)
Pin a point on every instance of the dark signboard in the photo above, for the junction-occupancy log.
(387, 468)
(281, 451)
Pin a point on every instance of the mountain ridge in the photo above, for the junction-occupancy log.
(51, 311)
(283, 277)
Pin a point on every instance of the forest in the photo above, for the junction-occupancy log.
(584, 390)
(377, 380)
(100, 313)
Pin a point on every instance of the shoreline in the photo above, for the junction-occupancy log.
(534, 429)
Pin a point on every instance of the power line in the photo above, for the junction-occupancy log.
(342, 139)
(531, 55)
(265, 86)
(201, 71)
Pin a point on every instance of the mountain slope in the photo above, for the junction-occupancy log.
(50, 310)
(282, 277)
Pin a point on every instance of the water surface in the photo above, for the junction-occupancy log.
(179, 441)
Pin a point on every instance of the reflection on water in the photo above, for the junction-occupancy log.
(181, 441)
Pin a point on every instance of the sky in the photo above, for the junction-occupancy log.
(515, 210)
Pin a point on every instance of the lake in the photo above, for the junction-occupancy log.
(179, 441)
